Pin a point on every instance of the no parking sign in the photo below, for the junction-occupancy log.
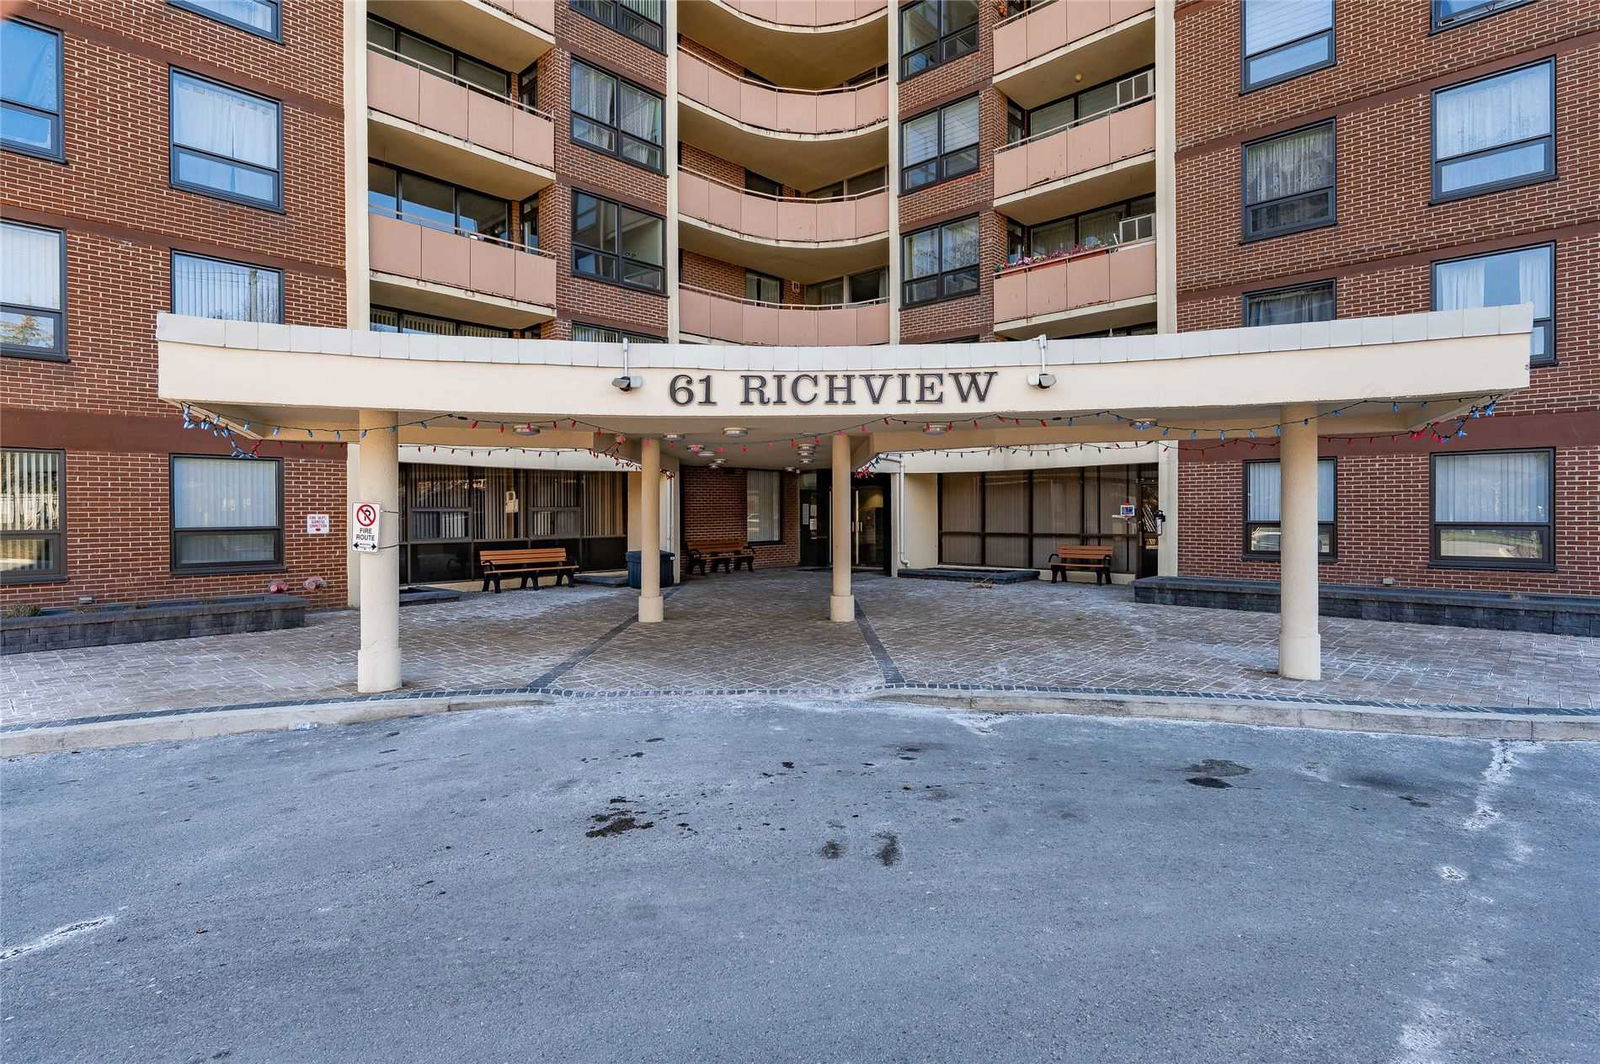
(364, 518)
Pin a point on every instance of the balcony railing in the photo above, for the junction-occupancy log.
(444, 103)
(1042, 28)
(786, 219)
(784, 112)
(1076, 148)
(458, 258)
(1076, 280)
(807, 14)
(716, 316)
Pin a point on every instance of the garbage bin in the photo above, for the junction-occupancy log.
(669, 568)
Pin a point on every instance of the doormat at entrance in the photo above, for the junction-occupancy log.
(991, 576)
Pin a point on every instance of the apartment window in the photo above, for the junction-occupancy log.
(754, 182)
(1263, 505)
(1283, 39)
(869, 286)
(828, 293)
(387, 320)
(31, 102)
(1447, 13)
(1288, 182)
(616, 117)
(870, 181)
(1496, 132)
(227, 513)
(1295, 303)
(763, 506)
(33, 291)
(425, 201)
(528, 214)
(421, 52)
(602, 335)
(934, 32)
(33, 542)
(939, 145)
(1083, 106)
(1119, 223)
(260, 17)
(762, 287)
(618, 244)
(1494, 509)
(216, 288)
(940, 262)
(225, 142)
(1527, 275)
(639, 19)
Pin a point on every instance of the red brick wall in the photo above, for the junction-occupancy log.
(1380, 255)
(715, 507)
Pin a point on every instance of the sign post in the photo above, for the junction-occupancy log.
(364, 521)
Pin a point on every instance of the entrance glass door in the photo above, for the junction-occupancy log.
(871, 517)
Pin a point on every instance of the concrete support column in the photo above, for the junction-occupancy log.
(842, 605)
(651, 607)
(378, 665)
(1299, 644)
(1167, 500)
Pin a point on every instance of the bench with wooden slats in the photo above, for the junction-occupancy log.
(530, 563)
(728, 554)
(1072, 556)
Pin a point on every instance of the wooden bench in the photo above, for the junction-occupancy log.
(526, 562)
(730, 554)
(1071, 556)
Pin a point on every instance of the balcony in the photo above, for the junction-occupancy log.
(716, 318)
(511, 34)
(1104, 159)
(456, 274)
(435, 123)
(809, 44)
(1077, 293)
(801, 137)
(799, 238)
(1060, 43)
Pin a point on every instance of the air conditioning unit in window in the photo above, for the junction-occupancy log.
(1139, 227)
(1135, 88)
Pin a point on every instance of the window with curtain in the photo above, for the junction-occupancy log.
(934, 32)
(763, 506)
(430, 55)
(639, 19)
(1527, 275)
(1289, 182)
(1263, 502)
(33, 542)
(1295, 303)
(33, 291)
(225, 142)
(226, 513)
(1102, 227)
(939, 145)
(1494, 509)
(436, 204)
(1283, 39)
(940, 262)
(763, 287)
(825, 293)
(260, 17)
(31, 102)
(604, 335)
(1496, 132)
(616, 117)
(618, 244)
(1447, 13)
(216, 288)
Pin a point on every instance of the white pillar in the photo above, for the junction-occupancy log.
(1299, 644)
(378, 666)
(650, 603)
(1167, 501)
(842, 605)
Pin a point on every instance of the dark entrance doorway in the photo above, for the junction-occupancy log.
(1149, 523)
(870, 522)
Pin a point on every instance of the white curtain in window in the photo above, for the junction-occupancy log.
(214, 119)
(224, 493)
(1269, 23)
(960, 124)
(1492, 488)
(28, 72)
(30, 491)
(922, 253)
(30, 266)
(763, 505)
(1284, 166)
(920, 138)
(208, 288)
(639, 113)
(1499, 110)
(1293, 305)
(1264, 491)
(1496, 280)
(960, 244)
(591, 93)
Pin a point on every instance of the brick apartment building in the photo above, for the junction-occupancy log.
(807, 173)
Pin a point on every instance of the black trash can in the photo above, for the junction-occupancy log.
(669, 569)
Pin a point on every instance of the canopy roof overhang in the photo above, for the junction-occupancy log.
(1371, 376)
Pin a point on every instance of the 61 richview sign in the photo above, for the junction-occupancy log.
(839, 389)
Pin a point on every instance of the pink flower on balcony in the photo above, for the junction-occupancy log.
(315, 583)
(278, 587)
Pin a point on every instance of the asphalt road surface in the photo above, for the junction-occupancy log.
(769, 880)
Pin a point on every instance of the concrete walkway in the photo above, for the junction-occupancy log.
(767, 632)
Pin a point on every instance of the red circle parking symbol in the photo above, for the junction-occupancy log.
(366, 515)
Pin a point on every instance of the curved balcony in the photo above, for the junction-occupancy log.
(799, 238)
(1081, 293)
(456, 274)
(717, 318)
(511, 34)
(1104, 159)
(806, 43)
(435, 123)
(802, 137)
(1059, 43)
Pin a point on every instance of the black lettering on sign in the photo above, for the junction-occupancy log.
(882, 382)
(755, 390)
(681, 390)
(777, 383)
(930, 387)
(794, 389)
(838, 383)
(969, 387)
